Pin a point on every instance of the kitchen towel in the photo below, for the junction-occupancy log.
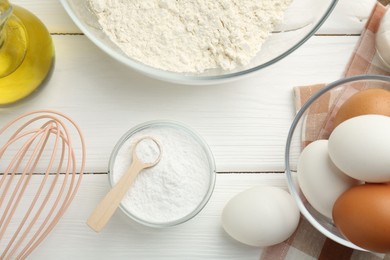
(364, 60)
(307, 242)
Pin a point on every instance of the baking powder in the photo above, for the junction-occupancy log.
(190, 35)
(147, 150)
(175, 186)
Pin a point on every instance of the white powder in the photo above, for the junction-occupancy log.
(175, 186)
(147, 150)
(190, 35)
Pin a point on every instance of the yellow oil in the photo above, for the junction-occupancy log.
(26, 56)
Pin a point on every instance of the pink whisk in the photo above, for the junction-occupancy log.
(40, 179)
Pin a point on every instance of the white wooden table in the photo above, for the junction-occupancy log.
(244, 122)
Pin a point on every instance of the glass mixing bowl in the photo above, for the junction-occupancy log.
(301, 21)
(293, 148)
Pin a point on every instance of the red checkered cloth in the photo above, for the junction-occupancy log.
(307, 242)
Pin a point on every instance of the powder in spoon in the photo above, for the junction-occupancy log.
(173, 188)
(147, 150)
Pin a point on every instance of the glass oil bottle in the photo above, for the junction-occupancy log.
(26, 53)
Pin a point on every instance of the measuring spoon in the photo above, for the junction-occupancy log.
(106, 208)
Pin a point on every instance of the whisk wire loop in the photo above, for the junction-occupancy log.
(30, 210)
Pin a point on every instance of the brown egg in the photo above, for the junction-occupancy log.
(369, 101)
(362, 215)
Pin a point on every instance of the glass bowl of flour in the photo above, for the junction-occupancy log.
(198, 42)
(174, 190)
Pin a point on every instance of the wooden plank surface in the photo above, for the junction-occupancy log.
(244, 122)
(200, 238)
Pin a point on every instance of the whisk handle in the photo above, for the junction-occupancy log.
(108, 205)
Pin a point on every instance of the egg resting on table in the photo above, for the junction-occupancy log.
(261, 216)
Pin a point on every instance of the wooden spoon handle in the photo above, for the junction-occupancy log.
(106, 208)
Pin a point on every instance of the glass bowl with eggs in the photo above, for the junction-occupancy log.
(198, 42)
(337, 161)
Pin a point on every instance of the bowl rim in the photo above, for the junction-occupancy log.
(207, 151)
(191, 79)
(290, 182)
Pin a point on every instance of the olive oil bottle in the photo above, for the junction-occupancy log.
(26, 53)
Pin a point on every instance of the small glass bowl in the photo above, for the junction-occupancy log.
(293, 149)
(177, 127)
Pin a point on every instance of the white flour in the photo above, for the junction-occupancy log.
(175, 186)
(190, 35)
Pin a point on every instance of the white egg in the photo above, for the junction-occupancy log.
(382, 40)
(360, 147)
(319, 179)
(261, 216)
